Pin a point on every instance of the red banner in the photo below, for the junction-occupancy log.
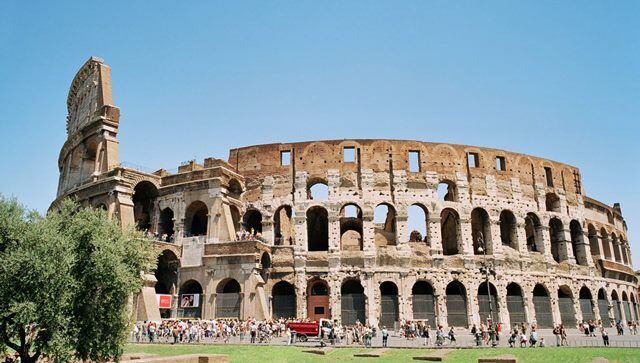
(164, 301)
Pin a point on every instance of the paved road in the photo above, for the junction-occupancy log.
(465, 339)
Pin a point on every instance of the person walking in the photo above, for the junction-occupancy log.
(605, 337)
(385, 336)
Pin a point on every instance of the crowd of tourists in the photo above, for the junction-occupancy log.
(278, 330)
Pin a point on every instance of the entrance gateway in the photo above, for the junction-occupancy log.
(318, 300)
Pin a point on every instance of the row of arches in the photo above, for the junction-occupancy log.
(385, 229)
(353, 302)
(612, 247)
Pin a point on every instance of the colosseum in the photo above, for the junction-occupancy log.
(370, 230)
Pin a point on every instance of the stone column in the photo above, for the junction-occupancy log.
(300, 227)
(565, 249)
(465, 240)
(368, 234)
(335, 302)
(473, 307)
(334, 231)
(434, 234)
(441, 309)
(503, 311)
(267, 230)
(553, 297)
(402, 225)
(546, 242)
(494, 242)
(370, 292)
(521, 236)
(300, 282)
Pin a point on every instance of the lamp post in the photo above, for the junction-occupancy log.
(486, 270)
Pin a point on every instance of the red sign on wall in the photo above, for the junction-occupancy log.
(164, 301)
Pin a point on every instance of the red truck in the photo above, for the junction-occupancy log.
(304, 331)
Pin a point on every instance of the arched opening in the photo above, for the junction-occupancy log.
(318, 190)
(317, 229)
(556, 234)
(196, 219)
(144, 196)
(593, 242)
(283, 227)
(625, 305)
(318, 300)
(623, 247)
(228, 299)
(417, 222)
(447, 191)
(508, 229)
(389, 307)
(351, 228)
(577, 243)
(252, 222)
(603, 306)
(586, 305)
(167, 278)
(515, 304)
(552, 202)
(617, 308)
(456, 304)
(190, 300)
(384, 219)
(480, 226)
(234, 188)
(450, 231)
(533, 230)
(565, 304)
(616, 247)
(488, 304)
(165, 227)
(283, 301)
(424, 302)
(542, 307)
(352, 303)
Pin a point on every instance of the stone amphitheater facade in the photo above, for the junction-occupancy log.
(405, 230)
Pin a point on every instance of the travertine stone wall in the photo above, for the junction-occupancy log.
(537, 224)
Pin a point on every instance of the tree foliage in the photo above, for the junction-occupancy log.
(66, 280)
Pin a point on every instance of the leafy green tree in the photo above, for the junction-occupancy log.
(66, 280)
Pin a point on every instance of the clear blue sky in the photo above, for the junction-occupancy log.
(555, 79)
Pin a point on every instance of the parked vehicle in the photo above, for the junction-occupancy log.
(313, 329)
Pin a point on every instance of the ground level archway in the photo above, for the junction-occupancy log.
(424, 302)
(228, 299)
(283, 300)
(542, 307)
(190, 303)
(456, 305)
(389, 307)
(318, 300)
(352, 303)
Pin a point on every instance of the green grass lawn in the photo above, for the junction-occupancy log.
(246, 354)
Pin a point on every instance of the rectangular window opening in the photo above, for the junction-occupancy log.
(285, 158)
(414, 161)
(549, 175)
(501, 163)
(349, 153)
(318, 310)
(473, 160)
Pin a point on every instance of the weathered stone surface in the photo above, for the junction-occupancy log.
(537, 224)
